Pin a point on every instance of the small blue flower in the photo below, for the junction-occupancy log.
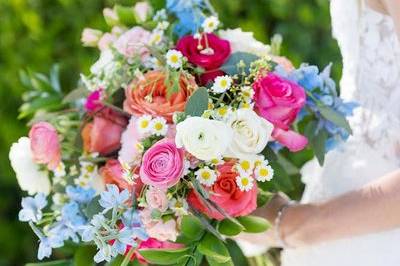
(32, 208)
(47, 244)
(72, 215)
(125, 237)
(105, 253)
(112, 198)
(327, 100)
(189, 13)
(131, 220)
(90, 230)
(307, 76)
(79, 194)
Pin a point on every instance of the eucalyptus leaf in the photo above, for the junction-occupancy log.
(214, 250)
(229, 228)
(232, 65)
(197, 103)
(318, 144)
(191, 227)
(93, 207)
(335, 117)
(236, 253)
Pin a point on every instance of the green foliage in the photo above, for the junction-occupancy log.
(35, 34)
(239, 63)
(164, 256)
(197, 103)
(254, 224)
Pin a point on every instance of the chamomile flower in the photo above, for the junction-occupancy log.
(246, 105)
(206, 176)
(247, 92)
(179, 206)
(155, 63)
(222, 112)
(245, 166)
(174, 58)
(156, 37)
(210, 24)
(143, 124)
(244, 182)
(59, 171)
(159, 126)
(221, 84)
(263, 172)
(216, 161)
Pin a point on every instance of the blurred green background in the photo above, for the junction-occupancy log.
(37, 33)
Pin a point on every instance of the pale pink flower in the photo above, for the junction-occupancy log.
(157, 199)
(106, 41)
(133, 43)
(162, 231)
(110, 16)
(131, 151)
(45, 144)
(90, 37)
(142, 11)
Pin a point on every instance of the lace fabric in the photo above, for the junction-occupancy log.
(371, 76)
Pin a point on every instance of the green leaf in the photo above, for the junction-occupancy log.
(197, 103)
(281, 180)
(214, 250)
(93, 207)
(55, 78)
(335, 118)
(318, 145)
(84, 256)
(269, 154)
(232, 66)
(191, 227)
(254, 224)
(125, 14)
(44, 103)
(77, 94)
(164, 256)
(52, 263)
(229, 228)
(236, 253)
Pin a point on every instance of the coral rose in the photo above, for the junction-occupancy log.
(162, 164)
(227, 195)
(148, 95)
(279, 101)
(103, 135)
(112, 173)
(45, 144)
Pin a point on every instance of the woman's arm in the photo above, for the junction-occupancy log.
(373, 208)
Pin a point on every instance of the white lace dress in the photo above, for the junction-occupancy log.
(371, 76)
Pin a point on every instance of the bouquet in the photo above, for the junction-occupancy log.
(165, 149)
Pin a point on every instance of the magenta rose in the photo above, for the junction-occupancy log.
(211, 58)
(279, 101)
(162, 164)
(45, 144)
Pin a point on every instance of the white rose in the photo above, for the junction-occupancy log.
(241, 41)
(251, 133)
(29, 176)
(203, 138)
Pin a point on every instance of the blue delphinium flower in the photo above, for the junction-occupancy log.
(131, 219)
(80, 194)
(47, 244)
(72, 215)
(189, 13)
(112, 198)
(32, 208)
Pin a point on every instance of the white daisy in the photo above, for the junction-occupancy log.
(245, 166)
(247, 93)
(59, 171)
(221, 84)
(222, 112)
(210, 24)
(174, 58)
(206, 176)
(244, 182)
(264, 172)
(143, 124)
(179, 206)
(216, 161)
(156, 37)
(159, 126)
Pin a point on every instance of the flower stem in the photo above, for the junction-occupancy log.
(128, 257)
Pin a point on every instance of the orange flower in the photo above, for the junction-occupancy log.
(148, 95)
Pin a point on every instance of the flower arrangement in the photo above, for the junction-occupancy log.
(163, 150)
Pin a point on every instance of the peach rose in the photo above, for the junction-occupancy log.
(148, 95)
(103, 135)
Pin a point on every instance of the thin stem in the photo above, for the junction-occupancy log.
(128, 257)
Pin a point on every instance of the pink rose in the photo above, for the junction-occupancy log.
(162, 164)
(157, 199)
(163, 231)
(279, 101)
(45, 144)
(227, 195)
(103, 135)
(93, 101)
(211, 59)
(133, 43)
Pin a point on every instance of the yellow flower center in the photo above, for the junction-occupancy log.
(205, 175)
(144, 123)
(211, 24)
(174, 58)
(222, 111)
(245, 181)
(214, 161)
(245, 165)
(263, 172)
(158, 126)
(90, 168)
(223, 83)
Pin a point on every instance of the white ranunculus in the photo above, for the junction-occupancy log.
(251, 133)
(30, 178)
(203, 138)
(244, 42)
